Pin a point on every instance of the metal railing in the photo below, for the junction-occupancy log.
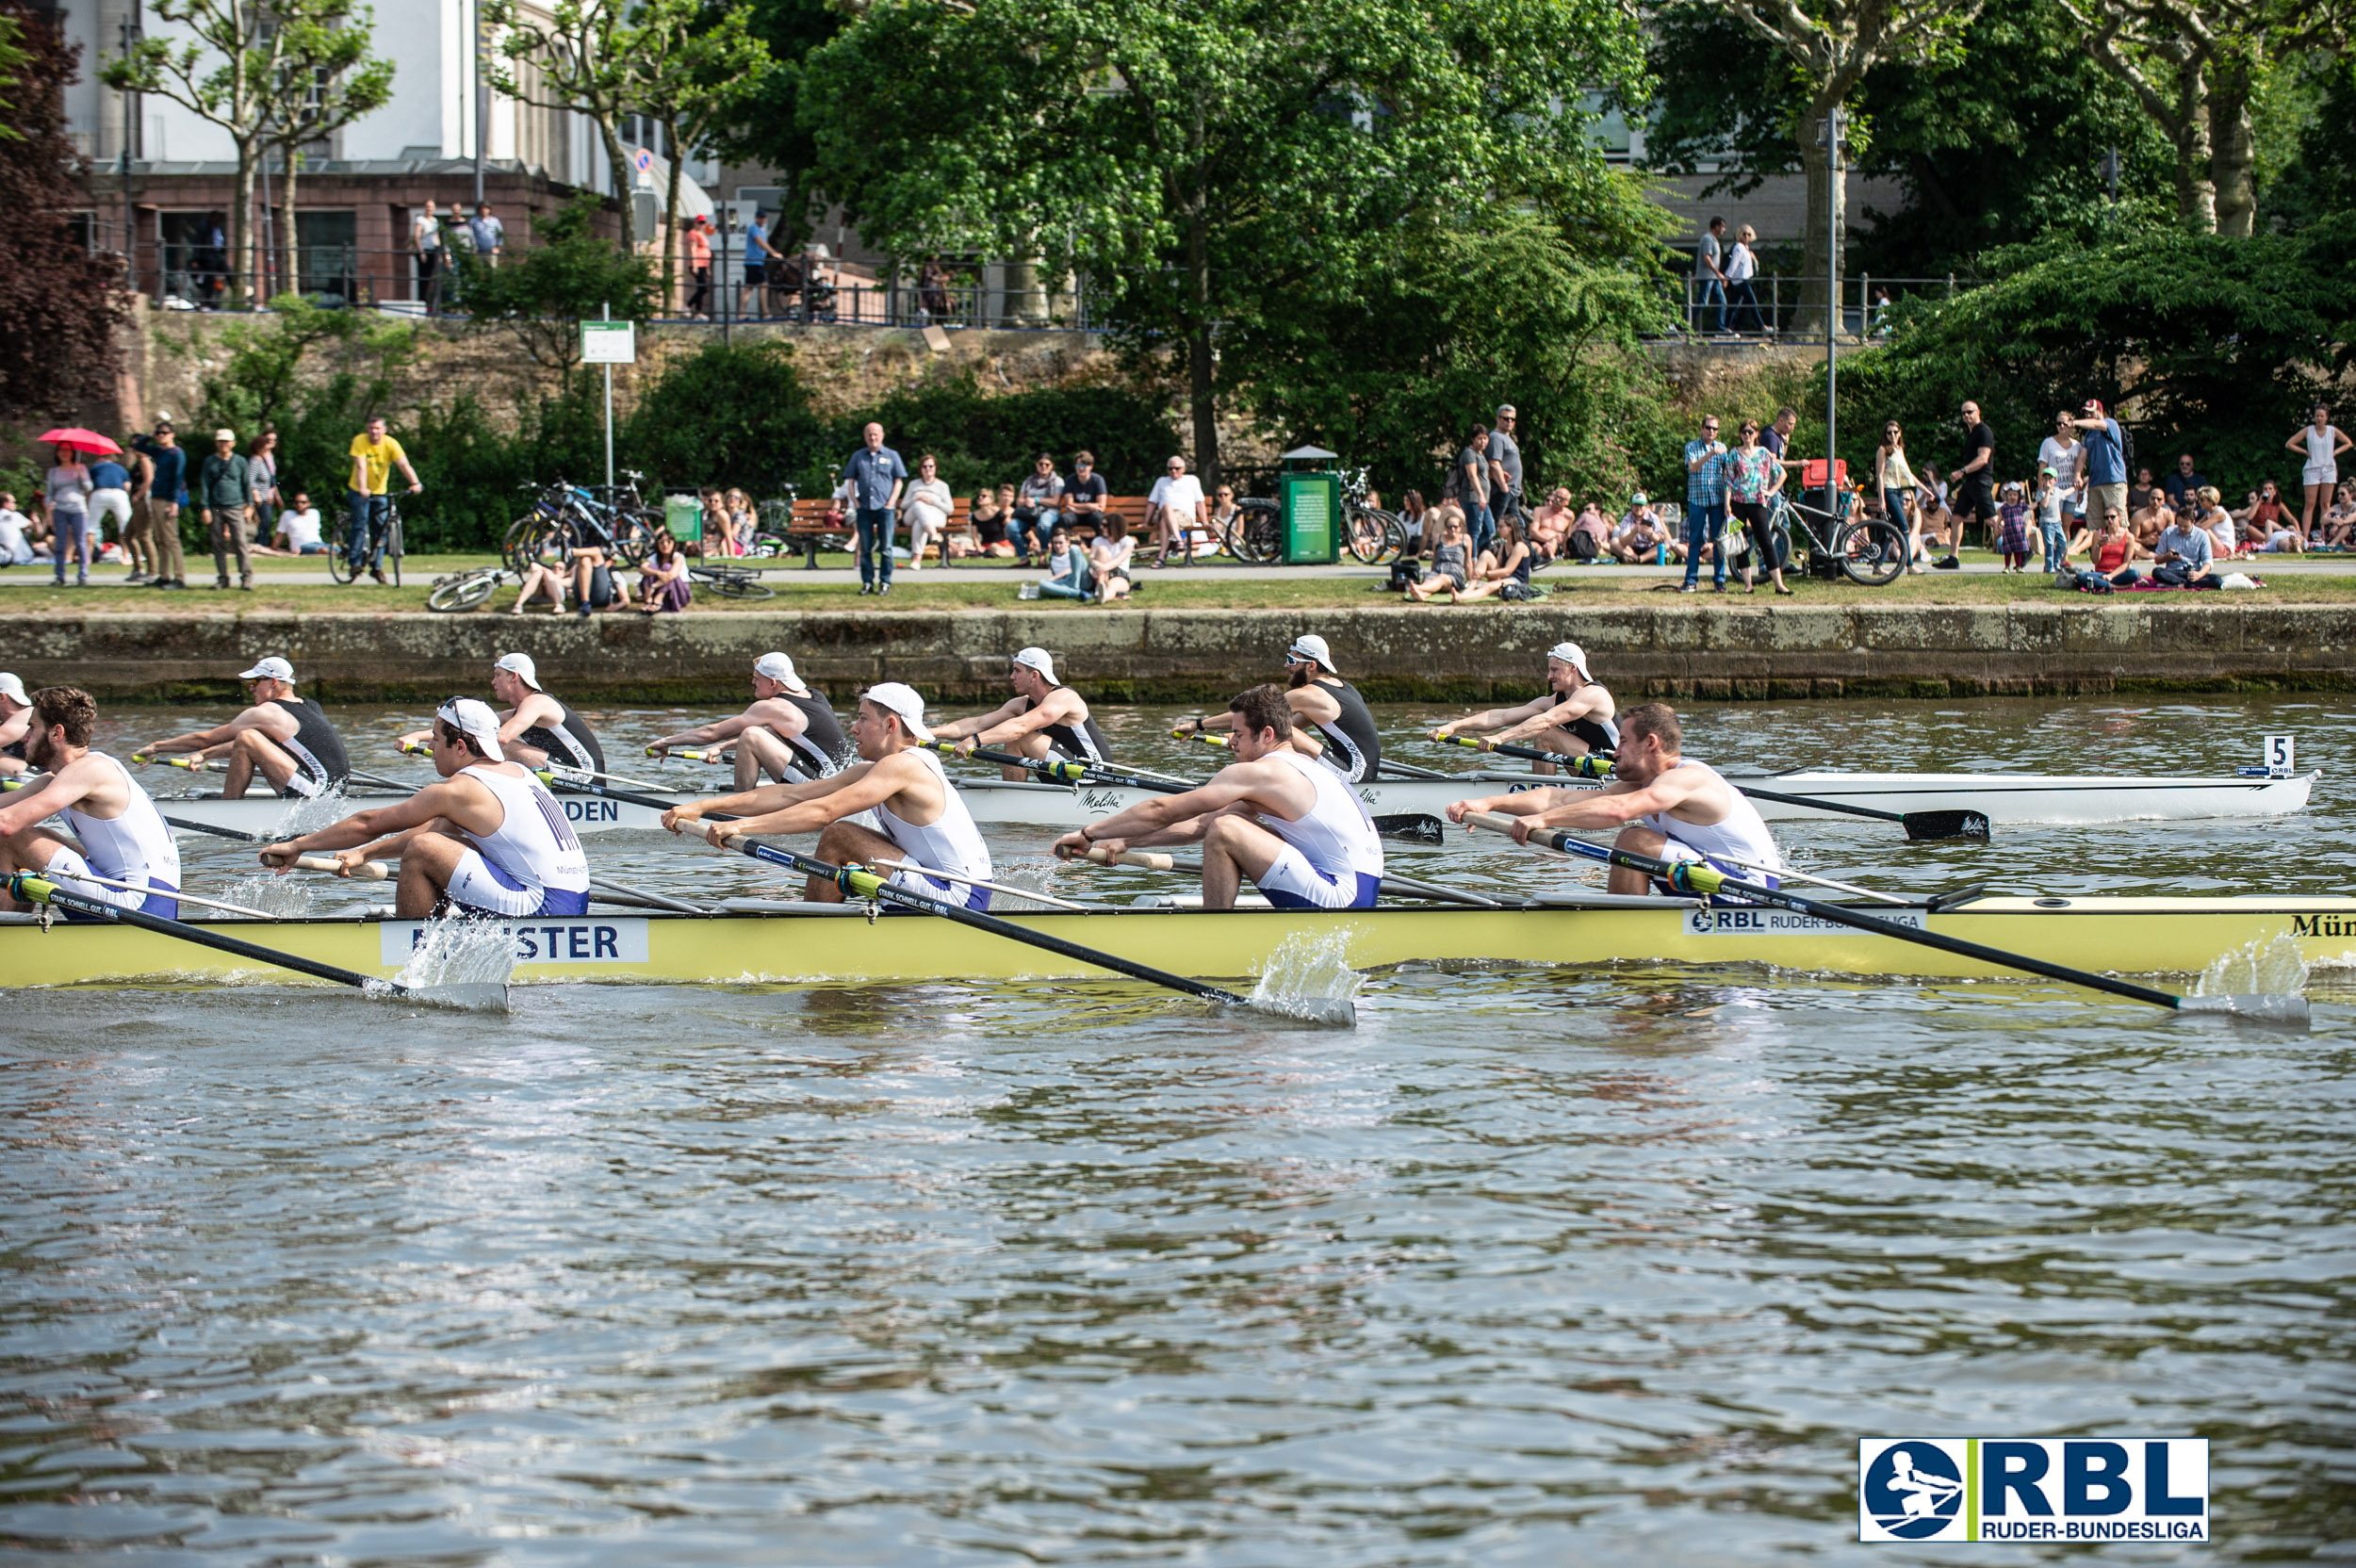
(1773, 305)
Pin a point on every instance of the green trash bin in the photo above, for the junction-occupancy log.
(1309, 507)
(684, 516)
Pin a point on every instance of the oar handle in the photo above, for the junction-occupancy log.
(1142, 859)
(374, 871)
(1198, 735)
(1593, 765)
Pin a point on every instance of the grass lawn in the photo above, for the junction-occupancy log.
(939, 589)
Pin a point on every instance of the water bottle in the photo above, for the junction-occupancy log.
(1660, 553)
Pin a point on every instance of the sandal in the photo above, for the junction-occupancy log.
(1787, 591)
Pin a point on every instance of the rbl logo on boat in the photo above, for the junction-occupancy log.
(2032, 1489)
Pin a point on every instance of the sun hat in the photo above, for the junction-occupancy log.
(228, 436)
(520, 666)
(271, 668)
(473, 717)
(898, 698)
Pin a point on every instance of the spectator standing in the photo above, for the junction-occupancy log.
(224, 491)
(1754, 477)
(1742, 294)
(1472, 490)
(488, 233)
(299, 529)
(2184, 484)
(1972, 493)
(1084, 497)
(932, 290)
(2014, 522)
(2104, 479)
(2050, 517)
(1505, 467)
(66, 492)
(2063, 452)
(926, 509)
(425, 240)
(875, 475)
(1706, 492)
(1710, 274)
(757, 252)
(699, 268)
(109, 496)
(2320, 443)
(1172, 508)
(1776, 437)
(1038, 507)
(167, 488)
(262, 460)
(1895, 478)
(367, 489)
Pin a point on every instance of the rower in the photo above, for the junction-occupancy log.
(1289, 824)
(1044, 716)
(790, 732)
(1664, 806)
(924, 819)
(117, 833)
(1321, 701)
(16, 722)
(535, 728)
(1575, 716)
(284, 738)
(487, 839)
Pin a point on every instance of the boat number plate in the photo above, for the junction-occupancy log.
(579, 939)
(1784, 922)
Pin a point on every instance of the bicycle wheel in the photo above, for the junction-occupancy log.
(1256, 534)
(463, 593)
(734, 585)
(338, 549)
(394, 549)
(548, 544)
(1374, 536)
(634, 537)
(519, 536)
(1872, 552)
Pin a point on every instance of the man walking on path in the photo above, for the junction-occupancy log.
(1711, 273)
(1505, 467)
(373, 457)
(876, 474)
(1706, 492)
(1971, 489)
(224, 499)
(425, 237)
(167, 487)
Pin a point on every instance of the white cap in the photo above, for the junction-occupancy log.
(898, 698)
(773, 666)
(472, 716)
(228, 436)
(13, 690)
(520, 664)
(1310, 645)
(1037, 659)
(1638, 499)
(1571, 654)
(272, 668)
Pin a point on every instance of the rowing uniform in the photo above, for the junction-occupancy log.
(1600, 734)
(1743, 834)
(818, 751)
(1083, 741)
(533, 865)
(318, 750)
(951, 843)
(136, 847)
(572, 743)
(1332, 859)
(1353, 747)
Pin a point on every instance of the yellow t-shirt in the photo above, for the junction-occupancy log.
(376, 462)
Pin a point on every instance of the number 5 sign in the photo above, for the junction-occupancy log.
(2278, 757)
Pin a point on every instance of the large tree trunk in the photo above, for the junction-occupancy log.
(241, 229)
(2232, 152)
(1201, 388)
(1825, 241)
(617, 166)
(290, 261)
(2187, 125)
(670, 216)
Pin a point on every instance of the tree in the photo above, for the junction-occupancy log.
(327, 78)
(694, 70)
(577, 61)
(58, 303)
(1200, 160)
(768, 128)
(541, 294)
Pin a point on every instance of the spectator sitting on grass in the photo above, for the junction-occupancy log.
(1550, 525)
(2117, 551)
(298, 530)
(992, 513)
(2262, 517)
(2151, 522)
(1221, 520)
(542, 580)
(16, 533)
(1067, 574)
(1109, 560)
(1451, 557)
(2339, 524)
(1505, 570)
(663, 584)
(1591, 536)
(1642, 534)
(1412, 512)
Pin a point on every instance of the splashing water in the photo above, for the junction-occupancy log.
(1308, 977)
(308, 815)
(2265, 982)
(462, 962)
(281, 896)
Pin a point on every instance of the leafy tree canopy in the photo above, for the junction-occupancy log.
(542, 292)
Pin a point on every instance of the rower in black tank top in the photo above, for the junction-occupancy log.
(1087, 743)
(820, 748)
(1600, 734)
(317, 749)
(572, 743)
(1354, 747)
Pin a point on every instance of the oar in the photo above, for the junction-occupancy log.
(1693, 878)
(566, 774)
(640, 895)
(1919, 825)
(713, 755)
(1066, 770)
(381, 781)
(193, 764)
(1397, 887)
(1411, 770)
(484, 997)
(177, 897)
(1008, 889)
(1592, 765)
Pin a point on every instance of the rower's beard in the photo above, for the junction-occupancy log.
(1302, 678)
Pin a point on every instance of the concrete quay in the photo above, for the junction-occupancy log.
(1680, 649)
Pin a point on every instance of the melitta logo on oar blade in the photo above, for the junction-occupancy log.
(2032, 1489)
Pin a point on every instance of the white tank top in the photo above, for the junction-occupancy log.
(951, 843)
(534, 844)
(1336, 837)
(1743, 834)
(132, 847)
(2320, 444)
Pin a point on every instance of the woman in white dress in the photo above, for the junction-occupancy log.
(2067, 456)
(926, 507)
(2320, 442)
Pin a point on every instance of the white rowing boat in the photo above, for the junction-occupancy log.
(2005, 799)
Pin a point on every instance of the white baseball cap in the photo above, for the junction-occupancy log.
(1311, 645)
(473, 717)
(13, 690)
(895, 697)
(228, 436)
(1037, 659)
(1571, 654)
(773, 666)
(520, 666)
(272, 668)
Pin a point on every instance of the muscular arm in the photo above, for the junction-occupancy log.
(763, 800)
(538, 710)
(1617, 805)
(704, 735)
(1495, 718)
(461, 802)
(1522, 803)
(1061, 707)
(1577, 705)
(847, 794)
(957, 730)
(271, 720)
(1185, 818)
(78, 783)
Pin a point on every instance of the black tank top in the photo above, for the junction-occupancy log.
(315, 745)
(572, 743)
(820, 748)
(1353, 747)
(1087, 743)
(1600, 734)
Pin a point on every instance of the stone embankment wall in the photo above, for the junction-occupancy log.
(1198, 655)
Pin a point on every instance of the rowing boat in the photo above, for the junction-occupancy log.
(754, 940)
(2018, 798)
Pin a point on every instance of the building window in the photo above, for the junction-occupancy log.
(328, 264)
(194, 260)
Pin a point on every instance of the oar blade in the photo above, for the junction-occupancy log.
(1930, 827)
(2283, 1009)
(481, 996)
(1413, 827)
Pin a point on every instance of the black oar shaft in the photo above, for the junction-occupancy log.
(1818, 803)
(1068, 770)
(202, 938)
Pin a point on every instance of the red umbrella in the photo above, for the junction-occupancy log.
(75, 435)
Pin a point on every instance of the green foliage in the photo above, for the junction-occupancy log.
(2209, 344)
(476, 472)
(312, 375)
(541, 293)
(732, 416)
(769, 128)
(2319, 176)
(981, 439)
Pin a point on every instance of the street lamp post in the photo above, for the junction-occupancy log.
(132, 34)
(1832, 308)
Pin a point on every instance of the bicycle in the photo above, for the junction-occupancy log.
(1255, 534)
(465, 590)
(1868, 550)
(385, 551)
(734, 582)
(1372, 534)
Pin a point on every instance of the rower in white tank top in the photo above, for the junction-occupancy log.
(1332, 857)
(951, 843)
(1743, 834)
(534, 865)
(136, 847)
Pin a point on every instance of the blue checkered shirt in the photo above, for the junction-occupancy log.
(1706, 484)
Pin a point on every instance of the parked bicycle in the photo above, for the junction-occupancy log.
(1371, 534)
(564, 518)
(384, 550)
(735, 582)
(467, 590)
(1871, 551)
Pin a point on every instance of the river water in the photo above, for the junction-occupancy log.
(1530, 1268)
